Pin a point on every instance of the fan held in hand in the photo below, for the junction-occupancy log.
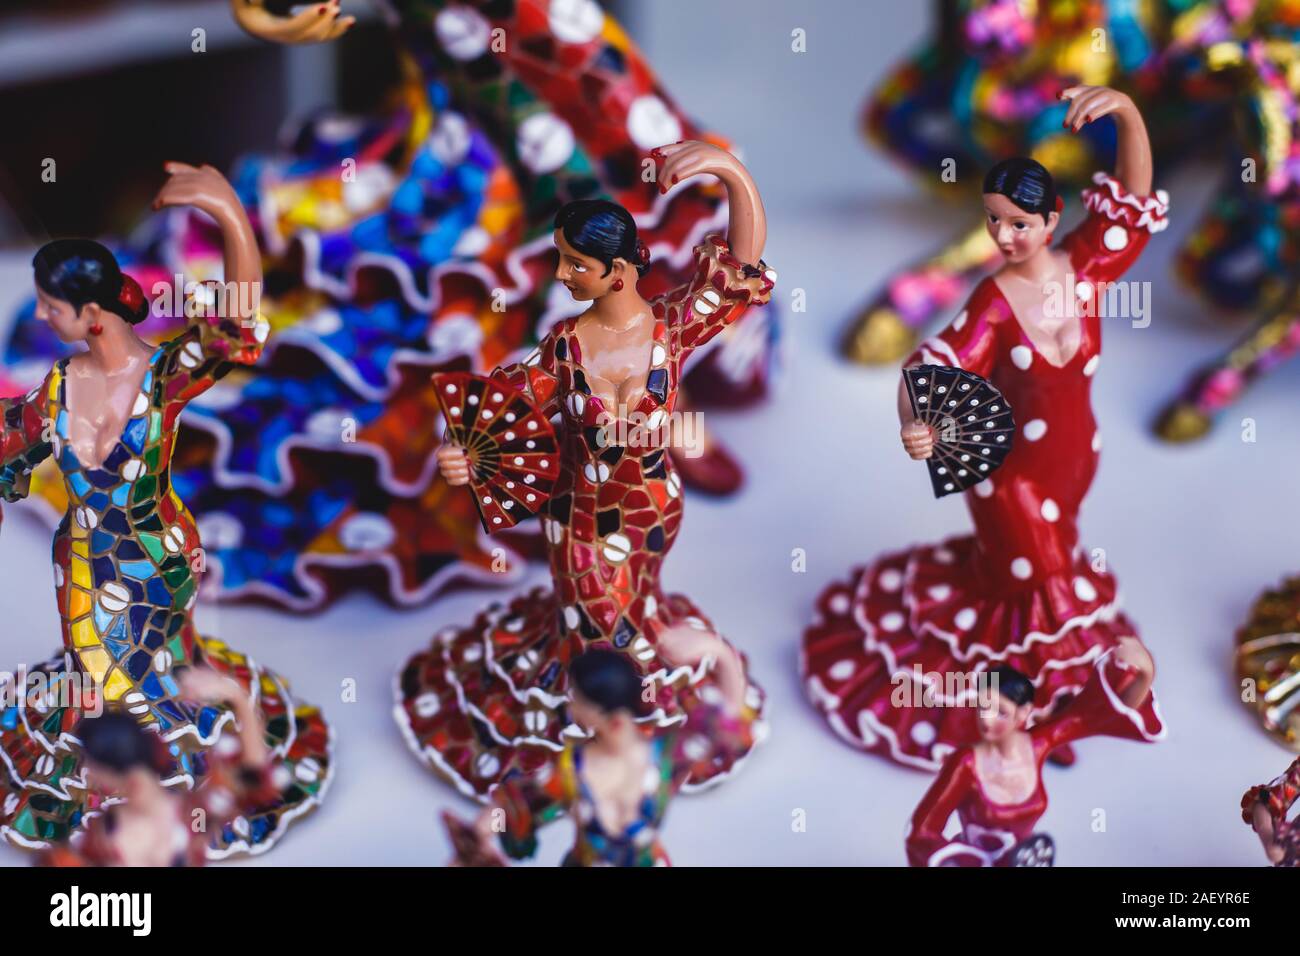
(513, 454)
(972, 424)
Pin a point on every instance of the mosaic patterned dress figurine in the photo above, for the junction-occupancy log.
(309, 474)
(127, 553)
(488, 701)
(1266, 809)
(1020, 591)
(996, 785)
(146, 824)
(617, 786)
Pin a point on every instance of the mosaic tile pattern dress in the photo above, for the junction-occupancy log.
(313, 472)
(1278, 797)
(125, 559)
(1020, 590)
(487, 702)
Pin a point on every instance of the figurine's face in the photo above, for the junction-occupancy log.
(1019, 234)
(582, 275)
(1001, 720)
(69, 324)
(585, 714)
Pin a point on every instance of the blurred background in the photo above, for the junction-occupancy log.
(113, 89)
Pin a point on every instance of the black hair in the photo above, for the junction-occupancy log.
(1026, 182)
(607, 679)
(603, 230)
(1013, 685)
(117, 742)
(81, 271)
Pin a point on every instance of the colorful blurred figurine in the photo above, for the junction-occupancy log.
(880, 657)
(1268, 661)
(127, 555)
(490, 700)
(616, 784)
(996, 785)
(1266, 809)
(142, 822)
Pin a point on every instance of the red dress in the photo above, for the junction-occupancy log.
(1278, 797)
(990, 831)
(486, 702)
(1019, 591)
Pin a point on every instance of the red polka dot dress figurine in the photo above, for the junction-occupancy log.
(1020, 591)
(487, 702)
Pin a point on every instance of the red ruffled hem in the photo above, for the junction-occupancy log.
(488, 701)
(916, 619)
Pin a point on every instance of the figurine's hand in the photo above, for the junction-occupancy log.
(1263, 824)
(1088, 103)
(683, 160)
(918, 440)
(453, 463)
(202, 187)
(686, 646)
(1131, 653)
(205, 685)
(317, 24)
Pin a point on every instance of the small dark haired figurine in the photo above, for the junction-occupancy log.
(1266, 809)
(613, 376)
(618, 782)
(995, 786)
(1027, 183)
(126, 554)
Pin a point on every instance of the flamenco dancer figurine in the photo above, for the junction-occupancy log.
(996, 785)
(490, 700)
(155, 826)
(127, 552)
(1019, 592)
(1265, 808)
(617, 785)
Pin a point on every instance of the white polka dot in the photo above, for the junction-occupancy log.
(1022, 357)
(617, 547)
(651, 123)
(960, 321)
(487, 765)
(1084, 590)
(984, 488)
(1035, 429)
(1096, 441)
(1050, 510)
(220, 530)
(367, 532)
(892, 621)
(923, 733)
(1083, 289)
(544, 143)
(839, 604)
(1115, 238)
(1021, 568)
(651, 606)
(132, 469)
(939, 592)
(577, 21)
(450, 139)
(891, 579)
(463, 32)
(571, 617)
(1091, 365)
(842, 670)
(943, 555)
(658, 355)
(965, 618)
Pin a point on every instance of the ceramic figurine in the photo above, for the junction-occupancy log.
(490, 700)
(882, 656)
(1266, 809)
(995, 786)
(397, 243)
(617, 784)
(1268, 661)
(127, 555)
(142, 822)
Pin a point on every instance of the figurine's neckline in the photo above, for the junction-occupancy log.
(66, 408)
(984, 795)
(1029, 340)
(576, 358)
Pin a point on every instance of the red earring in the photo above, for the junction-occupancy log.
(96, 329)
(618, 285)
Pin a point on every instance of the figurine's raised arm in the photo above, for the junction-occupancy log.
(271, 20)
(1133, 165)
(747, 225)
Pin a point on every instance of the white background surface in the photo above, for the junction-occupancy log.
(1193, 533)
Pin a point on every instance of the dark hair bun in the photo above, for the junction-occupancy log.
(1026, 182)
(607, 679)
(117, 742)
(603, 230)
(82, 271)
(1013, 685)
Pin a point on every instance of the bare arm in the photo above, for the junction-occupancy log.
(317, 24)
(1133, 164)
(747, 226)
